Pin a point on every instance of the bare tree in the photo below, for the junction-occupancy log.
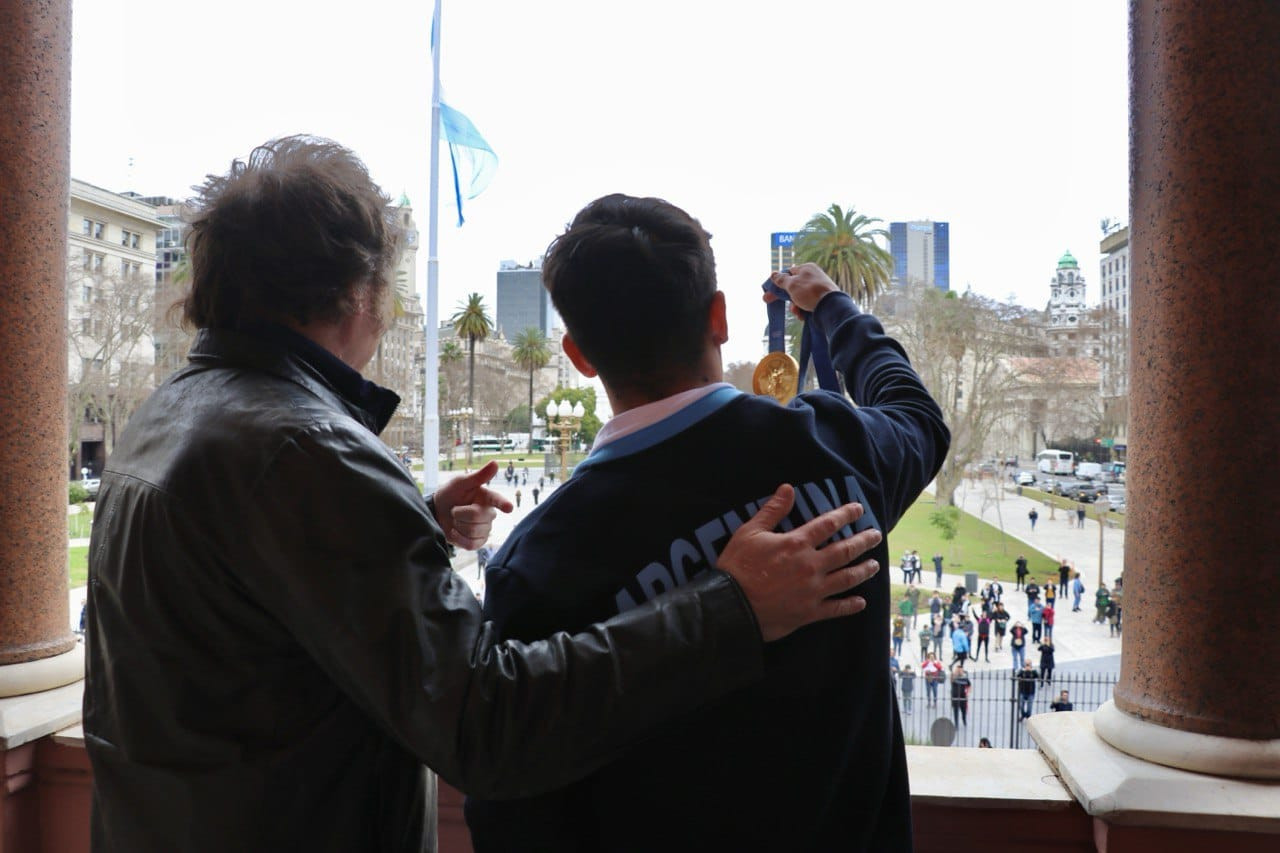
(111, 349)
(960, 345)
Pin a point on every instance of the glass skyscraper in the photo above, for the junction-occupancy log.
(921, 252)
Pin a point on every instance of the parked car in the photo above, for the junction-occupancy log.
(1083, 492)
(1026, 478)
(91, 486)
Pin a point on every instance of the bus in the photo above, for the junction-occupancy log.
(1056, 461)
(491, 444)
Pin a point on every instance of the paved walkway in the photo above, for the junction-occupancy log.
(1076, 637)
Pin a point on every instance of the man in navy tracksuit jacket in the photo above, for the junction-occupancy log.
(812, 757)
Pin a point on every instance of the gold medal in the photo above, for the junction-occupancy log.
(776, 376)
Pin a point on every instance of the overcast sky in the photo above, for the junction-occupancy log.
(1006, 119)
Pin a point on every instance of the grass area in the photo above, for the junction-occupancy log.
(978, 547)
(521, 459)
(78, 564)
(79, 525)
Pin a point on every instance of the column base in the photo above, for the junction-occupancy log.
(1122, 790)
(18, 679)
(1222, 756)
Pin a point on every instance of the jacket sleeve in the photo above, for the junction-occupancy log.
(339, 545)
(899, 428)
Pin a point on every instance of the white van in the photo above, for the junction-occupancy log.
(1088, 470)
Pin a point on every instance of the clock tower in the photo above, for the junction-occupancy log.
(1066, 294)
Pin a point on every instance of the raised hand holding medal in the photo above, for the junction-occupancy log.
(778, 375)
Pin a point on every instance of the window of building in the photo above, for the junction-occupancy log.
(88, 227)
(86, 293)
(130, 239)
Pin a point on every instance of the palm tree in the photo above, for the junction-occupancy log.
(471, 321)
(532, 354)
(842, 242)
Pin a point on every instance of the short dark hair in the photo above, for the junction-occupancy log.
(295, 232)
(633, 279)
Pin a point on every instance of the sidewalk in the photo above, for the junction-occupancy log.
(1075, 635)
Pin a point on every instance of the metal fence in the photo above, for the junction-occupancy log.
(993, 710)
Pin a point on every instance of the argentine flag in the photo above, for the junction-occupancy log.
(472, 159)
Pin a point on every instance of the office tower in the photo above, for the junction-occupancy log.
(523, 303)
(921, 252)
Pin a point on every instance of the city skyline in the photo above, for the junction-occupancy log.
(1022, 145)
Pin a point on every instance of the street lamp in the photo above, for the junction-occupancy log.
(564, 419)
(457, 416)
(1103, 506)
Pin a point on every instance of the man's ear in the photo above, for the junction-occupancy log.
(575, 355)
(717, 321)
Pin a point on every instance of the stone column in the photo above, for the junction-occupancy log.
(1201, 591)
(37, 650)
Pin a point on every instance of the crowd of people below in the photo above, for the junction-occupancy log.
(974, 629)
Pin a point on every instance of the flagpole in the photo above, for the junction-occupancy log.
(431, 378)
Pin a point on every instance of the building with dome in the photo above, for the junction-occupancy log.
(1072, 330)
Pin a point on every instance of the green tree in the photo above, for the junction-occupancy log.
(842, 243)
(947, 520)
(472, 322)
(591, 423)
(532, 354)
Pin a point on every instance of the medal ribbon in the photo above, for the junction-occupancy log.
(812, 342)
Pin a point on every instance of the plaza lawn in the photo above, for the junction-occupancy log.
(978, 547)
(80, 523)
(78, 562)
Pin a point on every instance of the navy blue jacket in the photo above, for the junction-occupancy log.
(812, 757)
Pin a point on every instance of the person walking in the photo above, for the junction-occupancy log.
(1035, 614)
(960, 696)
(984, 638)
(1034, 516)
(913, 596)
(1018, 644)
(1064, 575)
(1080, 511)
(1050, 592)
(939, 632)
(1046, 661)
(1047, 617)
(907, 682)
(926, 637)
(959, 647)
(517, 498)
(899, 633)
(1026, 678)
(1020, 571)
(1032, 591)
(937, 570)
(1077, 591)
(535, 491)
(935, 604)
(915, 564)
(933, 674)
(1000, 621)
(1101, 599)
